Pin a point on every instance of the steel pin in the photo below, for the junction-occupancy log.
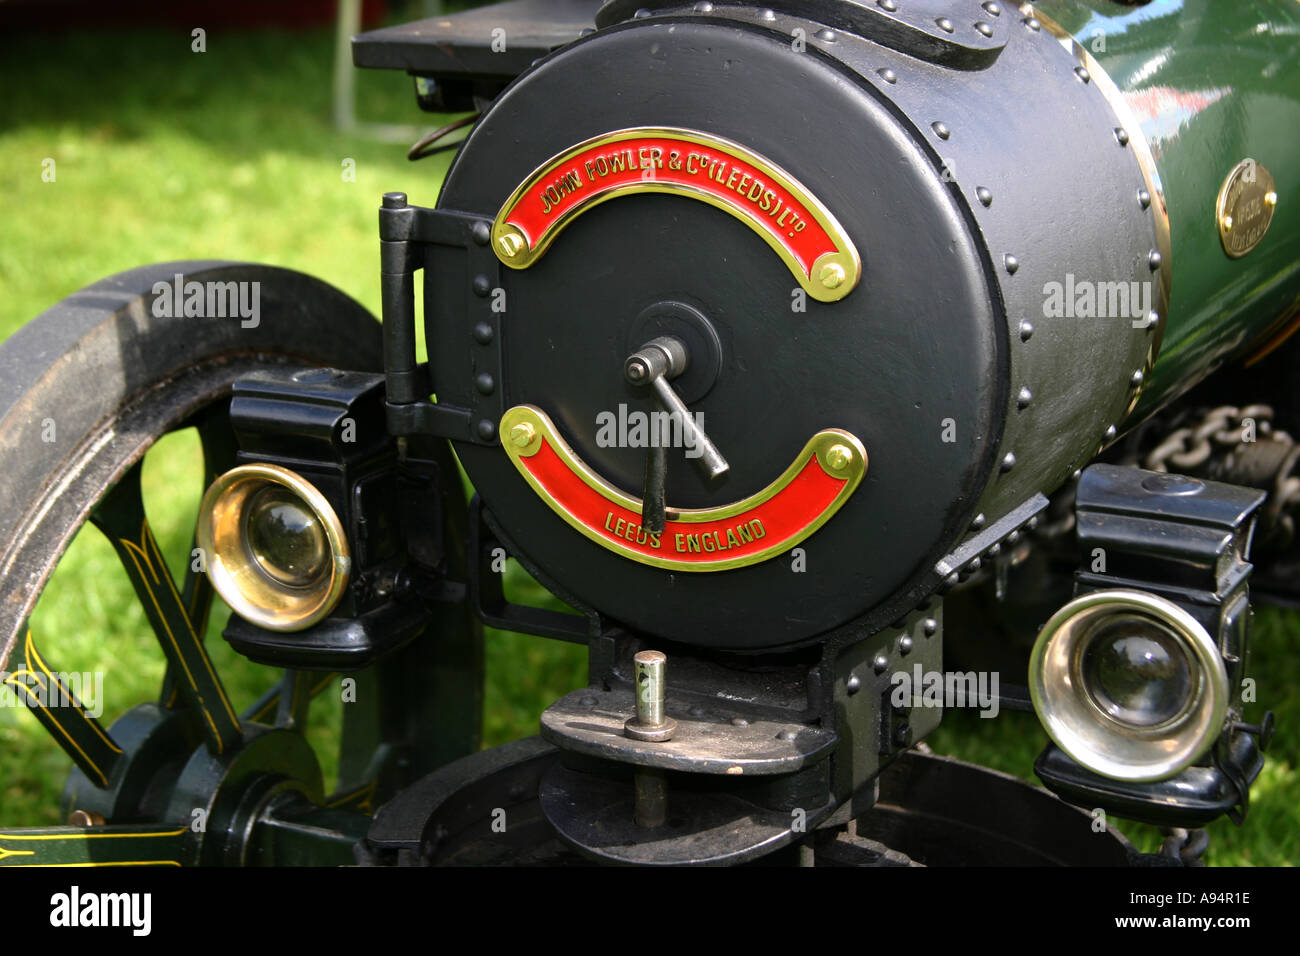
(650, 784)
(650, 722)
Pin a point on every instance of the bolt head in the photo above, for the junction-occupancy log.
(838, 457)
(509, 244)
(523, 434)
(832, 275)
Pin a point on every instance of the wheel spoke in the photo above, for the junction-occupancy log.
(115, 845)
(267, 706)
(218, 443)
(51, 698)
(120, 515)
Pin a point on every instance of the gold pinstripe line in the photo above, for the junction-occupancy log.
(321, 686)
(33, 656)
(368, 791)
(147, 537)
(5, 852)
(29, 866)
(266, 709)
(131, 550)
(30, 699)
(89, 836)
(273, 702)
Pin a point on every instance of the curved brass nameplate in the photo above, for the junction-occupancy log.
(681, 162)
(745, 532)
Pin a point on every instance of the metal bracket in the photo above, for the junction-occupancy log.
(489, 601)
(409, 236)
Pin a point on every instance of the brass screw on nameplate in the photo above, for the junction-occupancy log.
(523, 434)
(838, 457)
(650, 722)
(833, 275)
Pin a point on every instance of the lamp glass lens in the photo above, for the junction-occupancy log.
(285, 537)
(1137, 671)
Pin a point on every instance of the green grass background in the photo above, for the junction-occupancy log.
(164, 154)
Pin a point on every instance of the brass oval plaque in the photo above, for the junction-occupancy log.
(1245, 207)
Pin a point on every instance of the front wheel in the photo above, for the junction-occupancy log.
(86, 390)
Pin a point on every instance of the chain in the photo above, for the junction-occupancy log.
(1187, 449)
(1228, 431)
(1186, 846)
(1285, 503)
